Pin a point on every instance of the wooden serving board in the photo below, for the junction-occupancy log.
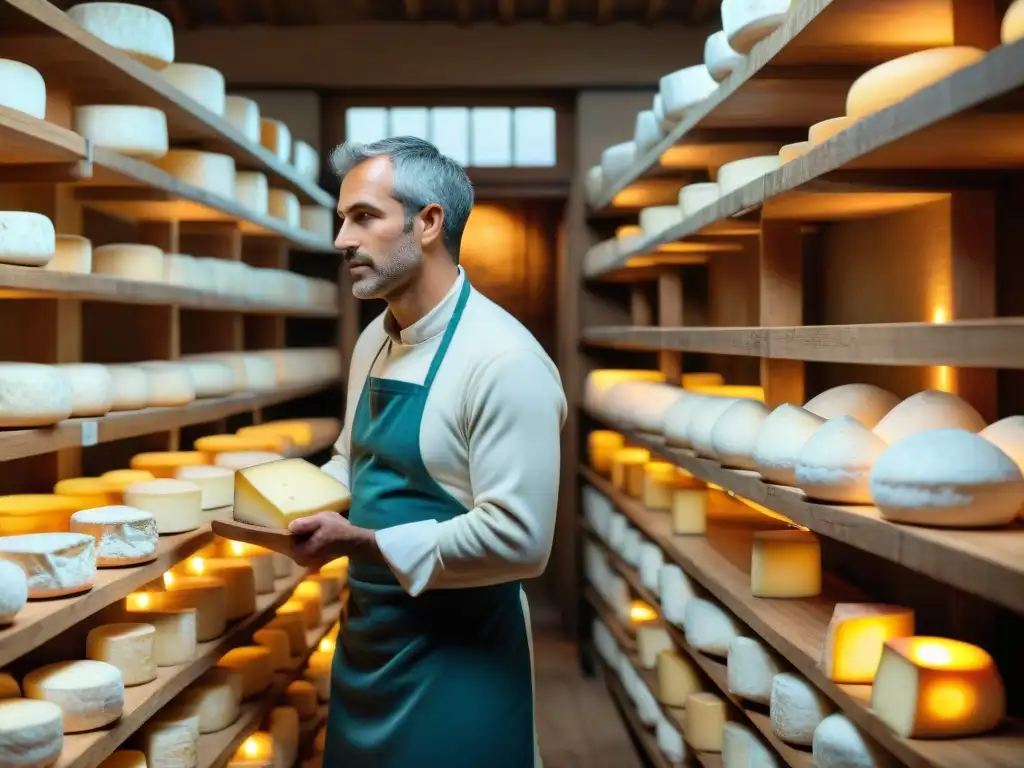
(276, 539)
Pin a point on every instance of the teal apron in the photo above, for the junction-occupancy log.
(442, 680)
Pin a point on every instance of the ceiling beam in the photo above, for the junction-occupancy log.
(605, 11)
(414, 9)
(556, 11)
(507, 11)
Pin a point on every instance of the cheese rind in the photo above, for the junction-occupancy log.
(709, 628)
(751, 668)
(72, 254)
(276, 641)
(719, 57)
(33, 395)
(866, 403)
(253, 191)
(243, 114)
(129, 261)
(26, 239)
(835, 463)
(31, 733)
(930, 409)
(126, 646)
(13, 591)
(675, 590)
(22, 88)
(284, 205)
(209, 171)
(785, 564)
(253, 662)
(855, 637)
(216, 484)
(746, 22)
(779, 441)
(734, 433)
(796, 708)
(174, 639)
(124, 535)
(240, 581)
(175, 504)
(129, 388)
(216, 701)
(55, 564)
(170, 738)
(278, 492)
(838, 743)
(142, 33)
(705, 719)
(677, 678)
(131, 130)
(89, 693)
(203, 84)
(206, 594)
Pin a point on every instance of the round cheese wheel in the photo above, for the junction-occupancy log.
(739, 173)
(210, 378)
(126, 646)
(26, 239)
(734, 433)
(129, 388)
(646, 130)
(684, 89)
(949, 478)
(284, 205)
(703, 422)
(89, 693)
(779, 441)
(33, 395)
(319, 221)
(209, 171)
(244, 115)
(864, 402)
(140, 32)
(656, 219)
(617, 159)
(838, 743)
(900, 78)
(120, 479)
(796, 708)
(22, 88)
(13, 593)
(124, 535)
(168, 384)
(174, 504)
(826, 129)
(835, 463)
(276, 136)
(129, 261)
(790, 152)
(55, 564)
(91, 389)
(306, 161)
(694, 197)
(747, 22)
(678, 418)
(72, 254)
(203, 84)
(1008, 436)
(31, 733)
(719, 57)
(931, 409)
(1012, 28)
(134, 131)
(252, 191)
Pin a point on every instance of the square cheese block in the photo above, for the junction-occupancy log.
(689, 511)
(275, 493)
(785, 563)
(677, 678)
(855, 638)
(705, 719)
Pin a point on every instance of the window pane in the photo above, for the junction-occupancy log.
(409, 121)
(449, 131)
(365, 124)
(492, 137)
(534, 131)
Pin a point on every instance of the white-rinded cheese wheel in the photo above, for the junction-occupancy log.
(900, 78)
(838, 743)
(779, 441)
(176, 505)
(949, 478)
(215, 701)
(31, 733)
(669, 740)
(170, 738)
(72, 254)
(243, 114)
(646, 705)
(826, 129)
(134, 131)
(318, 220)
(284, 205)
(126, 646)
(678, 417)
(703, 422)
(651, 639)
(238, 577)
(301, 694)
(236, 460)
(210, 378)
(91, 389)
(26, 239)
(253, 663)
(130, 261)
(617, 159)
(306, 160)
(647, 412)
(208, 171)
(1012, 28)
(129, 388)
(216, 483)
(276, 641)
(796, 708)
(89, 693)
(22, 88)
(734, 433)
(835, 463)
(739, 173)
(659, 218)
(142, 33)
(705, 718)
(276, 136)
(790, 152)
(252, 191)
(866, 403)
(167, 384)
(693, 197)
(203, 84)
(709, 628)
(206, 594)
(1008, 436)
(647, 130)
(751, 668)
(720, 59)
(736, 740)
(175, 640)
(55, 564)
(13, 591)
(684, 89)
(651, 560)
(678, 677)
(617, 528)
(180, 269)
(931, 409)
(599, 383)
(675, 590)
(746, 22)
(124, 535)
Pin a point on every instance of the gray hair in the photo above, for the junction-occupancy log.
(422, 176)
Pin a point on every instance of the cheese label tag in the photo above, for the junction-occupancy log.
(90, 434)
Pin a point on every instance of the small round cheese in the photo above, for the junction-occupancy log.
(175, 505)
(72, 254)
(31, 733)
(129, 261)
(216, 484)
(91, 389)
(900, 78)
(709, 628)
(22, 88)
(675, 589)
(306, 161)
(276, 136)
(734, 433)
(165, 464)
(616, 160)
(205, 85)
(55, 564)
(129, 388)
(276, 641)
(1012, 28)
(175, 640)
(747, 22)
(129, 647)
(134, 131)
(253, 662)
(284, 205)
(790, 152)
(779, 441)
(751, 668)
(838, 743)
(209, 171)
(948, 478)
(835, 463)
(866, 403)
(13, 591)
(826, 129)
(244, 115)
(796, 709)
(694, 197)
(26, 239)
(209, 597)
(719, 57)
(740, 173)
(124, 535)
(216, 701)
(656, 219)
(684, 89)
(89, 693)
(301, 694)
(646, 130)
(1008, 436)
(142, 33)
(252, 191)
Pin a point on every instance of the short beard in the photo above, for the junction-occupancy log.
(403, 260)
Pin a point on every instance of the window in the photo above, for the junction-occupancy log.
(475, 137)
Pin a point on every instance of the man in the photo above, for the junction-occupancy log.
(451, 451)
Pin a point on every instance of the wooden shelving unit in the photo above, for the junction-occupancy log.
(802, 280)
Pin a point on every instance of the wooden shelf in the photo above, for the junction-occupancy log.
(799, 75)
(991, 343)
(796, 629)
(88, 750)
(19, 443)
(989, 563)
(216, 749)
(40, 150)
(70, 59)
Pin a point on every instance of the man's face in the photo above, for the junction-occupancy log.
(380, 255)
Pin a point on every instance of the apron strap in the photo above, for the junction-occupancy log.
(449, 332)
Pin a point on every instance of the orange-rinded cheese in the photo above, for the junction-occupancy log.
(299, 432)
(165, 464)
(122, 478)
(37, 513)
(251, 442)
(99, 492)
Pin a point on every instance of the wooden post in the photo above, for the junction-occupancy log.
(641, 313)
(781, 303)
(670, 315)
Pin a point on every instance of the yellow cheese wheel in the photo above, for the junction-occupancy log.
(299, 432)
(164, 464)
(213, 444)
(100, 492)
(122, 478)
(38, 513)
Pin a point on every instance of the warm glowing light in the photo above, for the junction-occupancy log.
(308, 590)
(713, 487)
(855, 638)
(692, 380)
(943, 376)
(628, 470)
(601, 447)
(729, 390)
(168, 579)
(138, 601)
(943, 653)
(939, 315)
(257, 748)
(196, 565)
(237, 548)
(326, 645)
(627, 231)
(640, 612)
(251, 747)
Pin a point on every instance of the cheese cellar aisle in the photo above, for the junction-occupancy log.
(798, 443)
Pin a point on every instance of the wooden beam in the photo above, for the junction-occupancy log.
(654, 10)
(556, 11)
(605, 11)
(413, 9)
(507, 11)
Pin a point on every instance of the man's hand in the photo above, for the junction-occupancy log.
(328, 535)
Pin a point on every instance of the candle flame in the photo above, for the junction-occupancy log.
(640, 612)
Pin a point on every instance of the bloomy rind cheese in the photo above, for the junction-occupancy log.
(32, 395)
(31, 733)
(89, 693)
(734, 433)
(855, 637)
(928, 410)
(55, 564)
(835, 463)
(751, 668)
(91, 389)
(13, 591)
(128, 647)
(796, 708)
(866, 403)
(747, 22)
(709, 628)
(278, 492)
(203, 84)
(124, 535)
(131, 130)
(140, 32)
(838, 743)
(779, 441)
(171, 737)
(676, 590)
(22, 88)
